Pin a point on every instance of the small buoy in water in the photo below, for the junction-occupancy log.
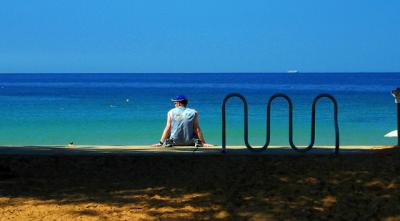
(127, 100)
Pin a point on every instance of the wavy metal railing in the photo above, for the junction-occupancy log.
(268, 129)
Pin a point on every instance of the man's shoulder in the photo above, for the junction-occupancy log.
(183, 110)
(171, 110)
(174, 110)
(191, 110)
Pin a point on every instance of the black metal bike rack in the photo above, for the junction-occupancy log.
(268, 129)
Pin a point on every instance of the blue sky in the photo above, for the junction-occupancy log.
(199, 36)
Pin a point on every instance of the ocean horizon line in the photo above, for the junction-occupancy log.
(299, 72)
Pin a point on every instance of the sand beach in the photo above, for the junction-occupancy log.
(46, 185)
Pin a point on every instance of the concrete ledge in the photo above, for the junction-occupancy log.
(184, 150)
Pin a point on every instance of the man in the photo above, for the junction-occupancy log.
(182, 127)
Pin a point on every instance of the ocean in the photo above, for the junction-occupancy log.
(131, 109)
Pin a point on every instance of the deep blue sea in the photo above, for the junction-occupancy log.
(131, 109)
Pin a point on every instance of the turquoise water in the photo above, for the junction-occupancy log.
(47, 109)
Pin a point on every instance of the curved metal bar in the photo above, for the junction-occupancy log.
(290, 105)
(335, 117)
(246, 123)
(268, 123)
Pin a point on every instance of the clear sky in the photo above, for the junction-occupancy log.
(199, 36)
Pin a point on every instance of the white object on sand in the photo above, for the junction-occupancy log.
(391, 134)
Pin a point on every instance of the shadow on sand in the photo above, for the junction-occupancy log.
(326, 187)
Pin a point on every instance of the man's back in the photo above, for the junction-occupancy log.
(182, 125)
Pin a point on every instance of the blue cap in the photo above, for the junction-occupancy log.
(179, 98)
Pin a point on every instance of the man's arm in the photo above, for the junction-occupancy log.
(167, 129)
(166, 132)
(197, 130)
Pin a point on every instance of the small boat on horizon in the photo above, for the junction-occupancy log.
(292, 71)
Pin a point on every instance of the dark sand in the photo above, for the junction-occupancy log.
(296, 187)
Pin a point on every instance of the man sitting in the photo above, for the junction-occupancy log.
(182, 127)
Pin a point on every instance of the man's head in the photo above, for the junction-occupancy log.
(180, 100)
